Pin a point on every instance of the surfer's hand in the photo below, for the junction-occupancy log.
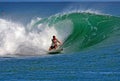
(60, 43)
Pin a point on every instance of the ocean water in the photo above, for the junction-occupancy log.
(89, 31)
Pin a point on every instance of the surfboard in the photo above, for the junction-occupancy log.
(55, 51)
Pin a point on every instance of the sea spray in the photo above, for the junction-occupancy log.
(16, 39)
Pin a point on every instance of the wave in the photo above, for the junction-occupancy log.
(78, 31)
(87, 30)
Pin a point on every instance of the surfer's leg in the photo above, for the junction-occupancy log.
(51, 47)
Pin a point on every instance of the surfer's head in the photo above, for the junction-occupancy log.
(54, 37)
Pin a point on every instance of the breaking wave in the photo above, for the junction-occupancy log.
(77, 31)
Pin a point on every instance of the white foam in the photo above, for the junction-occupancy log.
(72, 9)
(10, 35)
(16, 39)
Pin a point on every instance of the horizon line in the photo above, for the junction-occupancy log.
(59, 1)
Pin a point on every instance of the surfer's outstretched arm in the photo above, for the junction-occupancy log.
(59, 42)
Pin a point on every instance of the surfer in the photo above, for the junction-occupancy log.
(54, 44)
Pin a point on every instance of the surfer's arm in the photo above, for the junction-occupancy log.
(59, 42)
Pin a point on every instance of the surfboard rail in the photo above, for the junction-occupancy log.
(55, 51)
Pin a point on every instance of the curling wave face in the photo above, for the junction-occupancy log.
(87, 30)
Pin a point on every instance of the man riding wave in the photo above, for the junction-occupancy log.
(54, 44)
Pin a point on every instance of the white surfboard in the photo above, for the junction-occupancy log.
(56, 51)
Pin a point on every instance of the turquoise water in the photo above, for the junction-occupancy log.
(91, 42)
(88, 29)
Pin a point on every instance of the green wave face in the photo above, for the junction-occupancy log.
(88, 30)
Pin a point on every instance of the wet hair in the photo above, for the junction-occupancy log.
(53, 36)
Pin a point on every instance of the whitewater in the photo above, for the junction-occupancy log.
(17, 39)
